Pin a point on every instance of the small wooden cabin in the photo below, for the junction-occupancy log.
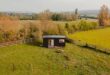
(51, 41)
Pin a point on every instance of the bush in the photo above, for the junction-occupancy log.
(1, 37)
(9, 36)
(86, 25)
(69, 28)
(38, 38)
(61, 29)
(36, 31)
(48, 27)
(83, 25)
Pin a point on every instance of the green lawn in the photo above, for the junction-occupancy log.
(32, 60)
(99, 38)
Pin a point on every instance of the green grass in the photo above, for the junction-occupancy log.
(32, 60)
(99, 38)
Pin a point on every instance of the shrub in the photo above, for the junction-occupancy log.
(9, 36)
(9, 27)
(69, 28)
(1, 37)
(83, 25)
(48, 27)
(38, 38)
(87, 25)
(66, 25)
(61, 29)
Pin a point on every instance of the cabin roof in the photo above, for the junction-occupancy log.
(54, 36)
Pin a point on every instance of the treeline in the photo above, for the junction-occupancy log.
(82, 25)
(21, 16)
(47, 14)
(11, 29)
(88, 17)
(63, 16)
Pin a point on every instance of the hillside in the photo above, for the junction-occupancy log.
(32, 60)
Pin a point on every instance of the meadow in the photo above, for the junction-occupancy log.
(87, 49)
(98, 38)
(23, 59)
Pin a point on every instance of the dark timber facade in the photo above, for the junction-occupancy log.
(52, 41)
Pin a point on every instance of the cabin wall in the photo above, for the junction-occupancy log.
(45, 42)
(57, 43)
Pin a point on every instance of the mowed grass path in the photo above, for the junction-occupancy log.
(99, 38)
(32, 60)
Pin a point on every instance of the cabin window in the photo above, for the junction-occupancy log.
(61, 40)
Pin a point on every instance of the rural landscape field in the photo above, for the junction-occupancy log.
(98, 38)
(25, 59)
(54, 37)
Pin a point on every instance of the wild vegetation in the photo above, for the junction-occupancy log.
(12, 29)
(9, 28)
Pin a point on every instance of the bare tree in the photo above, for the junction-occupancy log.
(45, 15)
(104, 16)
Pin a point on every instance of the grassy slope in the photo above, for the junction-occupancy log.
(33, 60)
(100, 38)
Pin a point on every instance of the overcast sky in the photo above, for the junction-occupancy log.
(54, 5)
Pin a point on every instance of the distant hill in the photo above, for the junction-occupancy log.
(89, 12)
(30, 15)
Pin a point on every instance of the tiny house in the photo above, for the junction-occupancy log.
(52, 41)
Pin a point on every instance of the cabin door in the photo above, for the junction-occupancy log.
(51, 43)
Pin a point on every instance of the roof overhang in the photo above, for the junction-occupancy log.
(54, 36)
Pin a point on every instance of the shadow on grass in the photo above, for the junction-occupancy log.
(33, 44)
(88, 46)
(94, 49)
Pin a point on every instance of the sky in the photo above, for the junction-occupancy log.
(53, 5)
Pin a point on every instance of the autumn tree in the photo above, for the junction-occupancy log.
(9, 27)
(45, 15)
(104, 16)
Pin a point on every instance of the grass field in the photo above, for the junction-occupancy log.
(32, 60)
(99, 38)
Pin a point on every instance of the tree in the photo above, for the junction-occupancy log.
(56, 17)
(76, 11)
(45, 15)
(76, 14)
(104, 16)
